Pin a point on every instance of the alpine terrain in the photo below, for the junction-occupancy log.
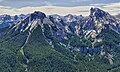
(38, 42)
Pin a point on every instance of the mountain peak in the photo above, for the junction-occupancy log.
(30, 22)
(37, 14)
(97, 12)
(37, 38)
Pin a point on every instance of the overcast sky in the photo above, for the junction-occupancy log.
(23, 3)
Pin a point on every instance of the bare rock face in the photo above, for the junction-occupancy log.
(39, 40)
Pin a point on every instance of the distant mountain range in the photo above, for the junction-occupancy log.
(38, 42)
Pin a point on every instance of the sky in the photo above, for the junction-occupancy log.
(13, 7)
(67, 3)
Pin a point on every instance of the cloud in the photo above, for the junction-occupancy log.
(112, 8)
(81, 0)
(48, 3)
(100, 4)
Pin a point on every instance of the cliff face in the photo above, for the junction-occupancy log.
(41, 43)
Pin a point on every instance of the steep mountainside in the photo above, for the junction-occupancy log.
(40, 43)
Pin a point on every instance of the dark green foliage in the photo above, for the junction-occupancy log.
(43, 58)
(9, 61)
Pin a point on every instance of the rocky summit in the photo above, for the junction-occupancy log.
(52, 43)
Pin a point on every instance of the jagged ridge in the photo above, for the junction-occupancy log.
(67, 35)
